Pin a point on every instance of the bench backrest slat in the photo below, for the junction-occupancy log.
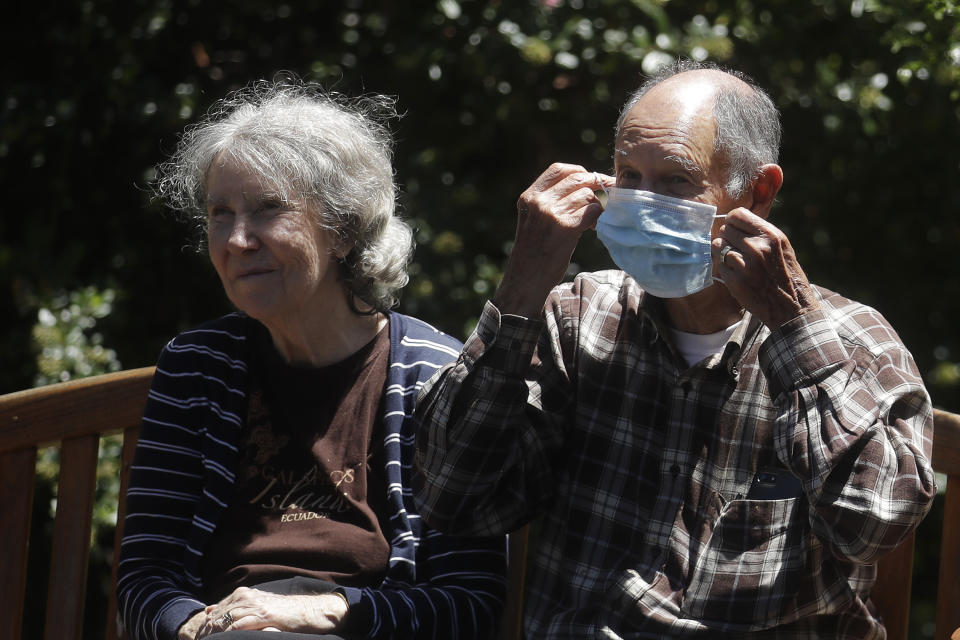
(130, 435)
(17, 474)
(71, 538)
(946, 459)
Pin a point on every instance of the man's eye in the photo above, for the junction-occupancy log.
(218, 212)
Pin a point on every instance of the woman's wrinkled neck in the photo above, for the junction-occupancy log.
(324, 334)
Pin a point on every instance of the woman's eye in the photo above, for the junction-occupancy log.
(218, 212)
(269, 206)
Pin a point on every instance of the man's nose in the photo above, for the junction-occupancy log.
(653, 186)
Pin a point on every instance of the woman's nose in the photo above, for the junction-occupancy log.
(243, 235)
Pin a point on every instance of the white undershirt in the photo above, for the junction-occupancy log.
(694, 347)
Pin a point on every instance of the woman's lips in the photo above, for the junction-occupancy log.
(252, 273)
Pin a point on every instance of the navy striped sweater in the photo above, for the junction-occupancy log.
(183, 475)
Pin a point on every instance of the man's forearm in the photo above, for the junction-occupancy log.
(478, 450)
(855, 427)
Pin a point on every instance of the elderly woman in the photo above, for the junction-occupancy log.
(270, 489)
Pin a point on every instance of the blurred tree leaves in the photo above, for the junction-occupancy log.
(493, 92)
(63, 336)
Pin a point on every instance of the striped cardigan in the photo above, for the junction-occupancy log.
(183, 475)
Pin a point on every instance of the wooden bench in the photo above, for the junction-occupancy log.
(74, 415)
(77, 414)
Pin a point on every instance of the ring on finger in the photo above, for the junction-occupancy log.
(723, 253)
(226, 619)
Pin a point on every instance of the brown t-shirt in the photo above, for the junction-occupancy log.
(310, 478)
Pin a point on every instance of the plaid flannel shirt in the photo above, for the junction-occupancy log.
(640, 466)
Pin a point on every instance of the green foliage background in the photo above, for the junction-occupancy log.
(95, 93)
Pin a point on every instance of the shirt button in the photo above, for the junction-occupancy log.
(675, 469)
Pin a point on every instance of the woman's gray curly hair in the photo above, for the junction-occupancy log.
(322, 149)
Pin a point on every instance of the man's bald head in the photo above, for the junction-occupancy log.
(746, 120)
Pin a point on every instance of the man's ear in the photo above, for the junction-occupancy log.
(766, 186)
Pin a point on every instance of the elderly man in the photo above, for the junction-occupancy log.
(716, 447)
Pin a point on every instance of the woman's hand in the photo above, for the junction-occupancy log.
(189, 629)
(249, 608)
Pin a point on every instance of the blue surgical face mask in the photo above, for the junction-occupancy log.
(663, 242)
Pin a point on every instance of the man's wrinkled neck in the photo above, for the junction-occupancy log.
(708, 311)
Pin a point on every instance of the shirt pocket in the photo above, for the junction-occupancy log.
(747, 575)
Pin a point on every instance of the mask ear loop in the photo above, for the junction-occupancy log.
(602, 186)
(715, 278)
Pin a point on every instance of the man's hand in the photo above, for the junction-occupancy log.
(761, 270)
(254, 609)
(552, 214)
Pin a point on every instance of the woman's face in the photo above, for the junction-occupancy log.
(273, 260)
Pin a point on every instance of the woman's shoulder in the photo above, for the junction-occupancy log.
(219, 342)
(413, 333)
(231, 328)
(211, 358)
